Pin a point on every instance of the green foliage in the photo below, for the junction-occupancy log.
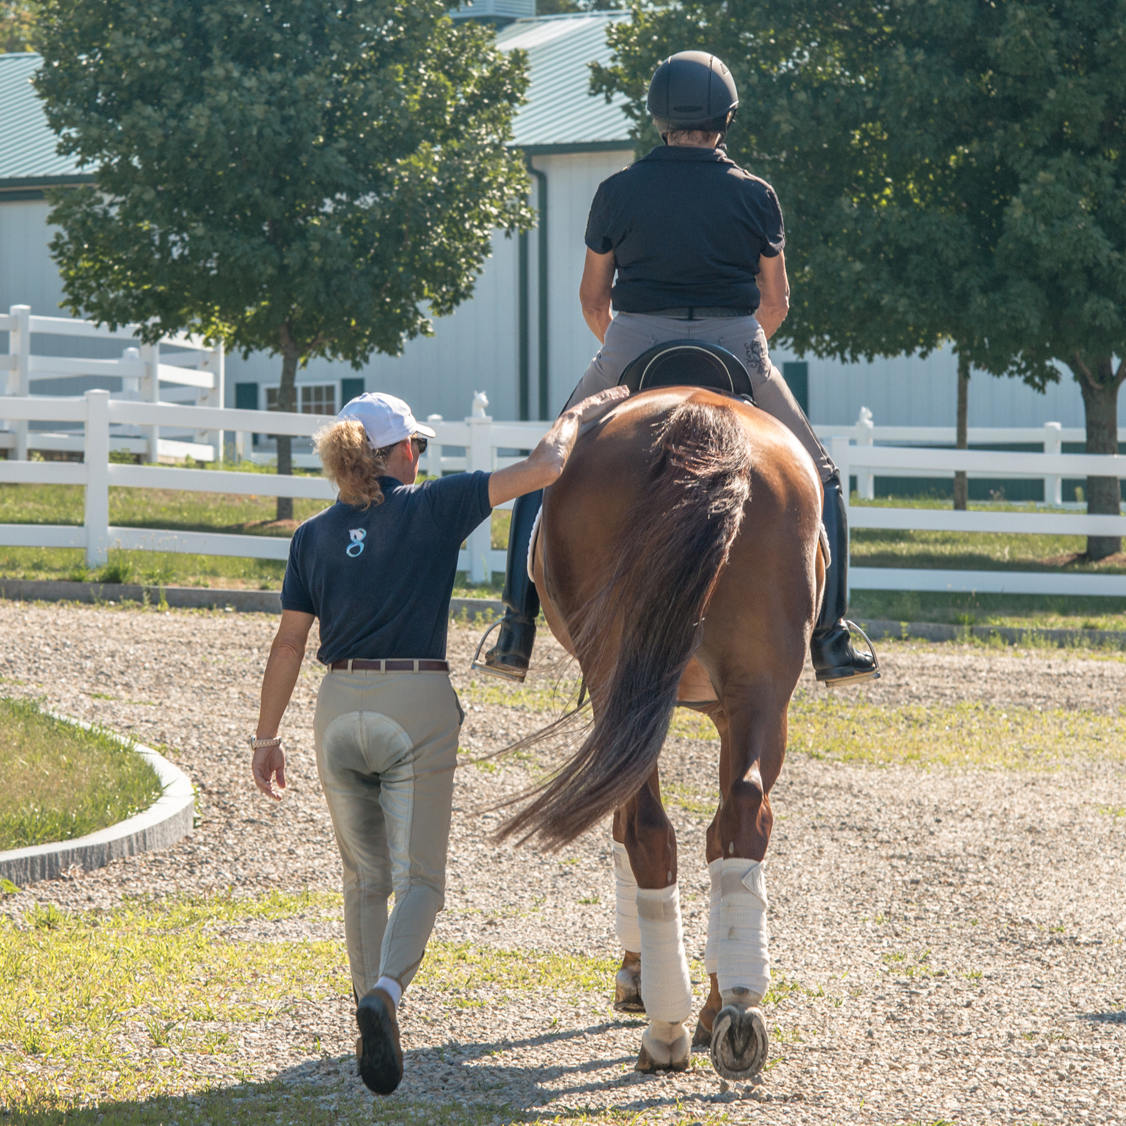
(950, 170)
(291, 176)
(17, 25)
(61, 781)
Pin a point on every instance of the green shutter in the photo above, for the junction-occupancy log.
(350, 389)
(796, 375)
(246, 399)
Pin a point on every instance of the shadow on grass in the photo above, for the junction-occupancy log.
(458, 1088)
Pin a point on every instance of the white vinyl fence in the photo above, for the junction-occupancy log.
(177, 369)
(97, 413)
(489, 445)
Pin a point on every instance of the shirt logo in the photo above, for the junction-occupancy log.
(356, 547)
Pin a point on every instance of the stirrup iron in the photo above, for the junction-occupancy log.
(859, 678)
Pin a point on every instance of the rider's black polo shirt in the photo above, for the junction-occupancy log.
(687, 227)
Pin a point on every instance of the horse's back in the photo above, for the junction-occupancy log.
(769, 586)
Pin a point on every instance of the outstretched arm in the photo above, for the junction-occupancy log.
(544, 464)
(594, 292)
(775, 289)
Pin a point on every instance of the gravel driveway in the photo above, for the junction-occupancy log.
(949, 944)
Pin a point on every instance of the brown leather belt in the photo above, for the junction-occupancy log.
(699, 312)
(389, 666)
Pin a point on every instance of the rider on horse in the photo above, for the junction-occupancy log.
(696, 244)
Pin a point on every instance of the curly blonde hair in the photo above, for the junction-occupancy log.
(351, 464)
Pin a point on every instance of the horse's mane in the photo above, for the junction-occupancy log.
(669, 559)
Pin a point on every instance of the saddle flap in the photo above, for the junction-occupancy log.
(688, 363)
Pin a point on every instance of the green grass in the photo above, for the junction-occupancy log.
(61, 781)
(1022, 611)
(847, 728)
(116, 1013)
(176, 510)
(970, 551)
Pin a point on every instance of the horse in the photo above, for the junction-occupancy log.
(678, 559)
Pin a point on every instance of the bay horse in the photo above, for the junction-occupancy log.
(678, 560)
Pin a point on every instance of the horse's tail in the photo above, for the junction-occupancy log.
(670, 558)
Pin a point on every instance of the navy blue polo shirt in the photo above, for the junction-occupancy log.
(380, 578)
(687, 227)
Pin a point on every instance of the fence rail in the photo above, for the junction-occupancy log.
(146, 371)
(478, 442)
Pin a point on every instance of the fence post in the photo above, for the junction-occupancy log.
(479, 456)
(865, 479)
(150, 356)
(96, 458)
(839, 453)
(19, 345)
(215, 396)
(434, 450)
(1053, 444)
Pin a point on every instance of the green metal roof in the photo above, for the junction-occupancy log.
(27, 144)
(561, 115)
(560, 110)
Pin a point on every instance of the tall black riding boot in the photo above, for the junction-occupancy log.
(835, 661)
(509, 657)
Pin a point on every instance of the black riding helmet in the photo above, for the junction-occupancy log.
(692, 90)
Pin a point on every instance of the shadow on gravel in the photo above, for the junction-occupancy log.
(1105, 1018)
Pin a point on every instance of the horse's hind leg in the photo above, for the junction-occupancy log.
(665, 985)
(750, 761)
(702, 1038)
(627, 981)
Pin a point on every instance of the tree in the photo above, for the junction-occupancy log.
(934, 161)
(310, 179)
(17, 25)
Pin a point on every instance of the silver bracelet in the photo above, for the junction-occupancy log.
(256, 743)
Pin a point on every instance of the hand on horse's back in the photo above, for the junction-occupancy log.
(545, 463)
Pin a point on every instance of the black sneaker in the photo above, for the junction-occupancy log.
(378, 1053)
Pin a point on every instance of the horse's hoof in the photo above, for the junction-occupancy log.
(656, 1055)
(702, 1037)
(627, 992)
(739, 1042)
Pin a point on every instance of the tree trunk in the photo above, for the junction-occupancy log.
(1100, 402)
(287, 401)
(961, 486)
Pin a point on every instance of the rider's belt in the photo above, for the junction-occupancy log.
(699, 312)
(390, 666)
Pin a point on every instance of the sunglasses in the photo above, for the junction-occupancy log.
(420, 443)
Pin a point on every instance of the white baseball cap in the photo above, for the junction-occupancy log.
(386, 420)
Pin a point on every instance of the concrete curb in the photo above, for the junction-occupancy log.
(182, 597)
(269, 602)
(186, 597)
(166, 821)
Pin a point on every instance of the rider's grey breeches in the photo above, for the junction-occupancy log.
(630, 334)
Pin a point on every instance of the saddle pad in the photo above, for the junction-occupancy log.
(532, 543)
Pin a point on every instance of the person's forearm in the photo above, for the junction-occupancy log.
(545, 463)
(598, 319)
(282, 670)
(771, 317)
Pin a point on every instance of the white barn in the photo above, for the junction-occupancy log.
(521, 339)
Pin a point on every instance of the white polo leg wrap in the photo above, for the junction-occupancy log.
(665, 986)
(711, 951)
(625, 900)
(743, 955)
